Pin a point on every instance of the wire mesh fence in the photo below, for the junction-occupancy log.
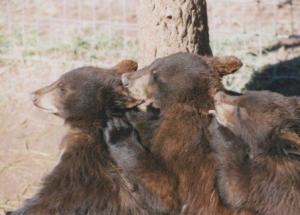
(98, 30)
(261, 22)
(65, 30)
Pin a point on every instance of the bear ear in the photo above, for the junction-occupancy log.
(293, 138)
(290, 135)
(126, 66)
(224, 65)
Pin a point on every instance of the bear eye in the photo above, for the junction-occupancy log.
(155, 75)
(61, 87)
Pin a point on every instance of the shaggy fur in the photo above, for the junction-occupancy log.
(182, 86)
(86, 180)
(258, 147)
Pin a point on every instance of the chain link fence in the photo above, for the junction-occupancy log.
(83, 31)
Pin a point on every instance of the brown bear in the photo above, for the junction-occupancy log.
(182, 85)
(257, 140)
(86, 180)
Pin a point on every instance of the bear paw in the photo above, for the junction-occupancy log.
(117, 131)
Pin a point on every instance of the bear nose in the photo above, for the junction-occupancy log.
(125, 80)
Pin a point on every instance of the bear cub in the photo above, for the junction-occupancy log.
(86, 180)
(256, 137)
(178, 170)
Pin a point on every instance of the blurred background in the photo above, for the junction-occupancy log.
(40, 40)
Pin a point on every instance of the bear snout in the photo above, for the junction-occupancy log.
(45, 100)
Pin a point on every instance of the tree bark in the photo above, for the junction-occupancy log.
(169, 26)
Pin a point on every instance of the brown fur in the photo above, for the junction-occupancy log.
(86, 180)
(224, 65)
(181, 85)
(258, 150)
(155, 183)
(126, 66)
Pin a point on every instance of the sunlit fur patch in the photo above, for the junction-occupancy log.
(225, 114)
(291, 136)
(129, 102)
(138, 87)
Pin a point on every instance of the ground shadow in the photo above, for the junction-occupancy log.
(292, 42)
(283, 77)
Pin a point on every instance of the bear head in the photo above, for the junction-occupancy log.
(180, 78)
(265, 120)
(87, 94)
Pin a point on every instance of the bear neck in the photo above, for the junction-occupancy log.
(188, 101)
(94, 123)
(85, 125)
(181, 128)
(177, 109)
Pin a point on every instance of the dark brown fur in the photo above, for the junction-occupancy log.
(86, 180)
(258, 151)
(181, 85)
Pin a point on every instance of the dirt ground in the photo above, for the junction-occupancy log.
(29, 144)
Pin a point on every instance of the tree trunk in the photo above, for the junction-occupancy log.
(169, 26)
